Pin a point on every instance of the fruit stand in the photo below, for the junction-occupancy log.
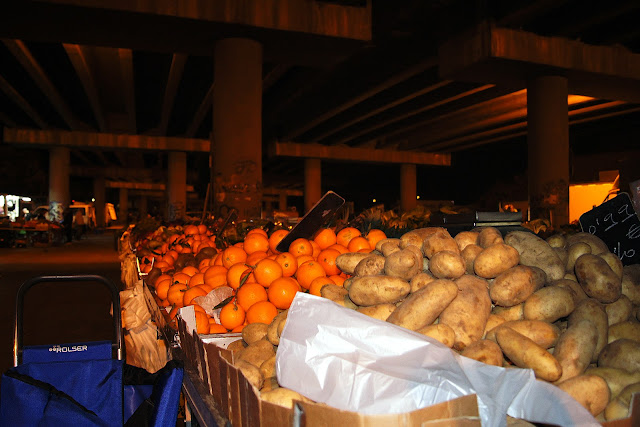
(562, 309)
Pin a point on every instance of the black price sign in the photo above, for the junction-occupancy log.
(617, 224)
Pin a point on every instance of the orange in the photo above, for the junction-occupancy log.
(309, 271)
(275, 238)
(327, 259)
(202, 229)
(189, 294)
(302, 259)
(190, 230)
(261, 312)
(173, 254)
(345, 235)
(266, 271)
(196, 279)
(337, 279)
(175, 294)
(181, 277)
(365, 250)
(160, 278)
(301, 246)
(214, 270)
(217, 280)
(318, 283)
(238, 328)
(197, 307)
(255, 242)
(288, 263)
(233, 255)
(254, 257)
(206, 287)
(162, 287)
(325, 238)
(316, 249)
(258, 230)
(282, 291)
(204, 264)
(163, 266)
(234, 275)
(249, 294)
(216, 328)
(217, 260)
(202, 323)
(248, 277)
(358, 243)
(339, 248)
(232, 315)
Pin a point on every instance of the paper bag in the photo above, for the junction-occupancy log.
(353, 362)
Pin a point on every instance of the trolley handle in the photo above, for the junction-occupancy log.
(18, 345)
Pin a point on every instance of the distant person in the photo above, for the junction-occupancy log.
(80, 224)
(67, 224)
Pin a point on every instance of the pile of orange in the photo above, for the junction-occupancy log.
(264, 281)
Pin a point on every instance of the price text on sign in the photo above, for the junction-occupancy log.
(618, 225)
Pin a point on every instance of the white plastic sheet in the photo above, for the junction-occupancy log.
(356, 363)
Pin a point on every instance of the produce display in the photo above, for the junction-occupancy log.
(565, 307)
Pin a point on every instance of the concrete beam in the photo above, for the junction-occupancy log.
(353, 154)
(140, 186)
(489, 54)
(103, 140)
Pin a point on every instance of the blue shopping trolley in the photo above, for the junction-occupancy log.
(84, 384)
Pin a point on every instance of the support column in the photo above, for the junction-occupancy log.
(143, 206)
(177, 186)
(312, 183)
(99, 204)
(548, 148)
(408, 187)
(59, 198)
(123, 207)
(236, 145)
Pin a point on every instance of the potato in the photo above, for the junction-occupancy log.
(591, 309)
(562, 254)
(578, 292)
(467, 314)
(380, 289)
(495, 259)
(236, 346)
(283, 396)
(255, 353)
(557, 240)
(484, 351)
(620, 406)
(514, 286)
(543, 333)
(254, 332)
(466, 238)
(623, 353)
(536, 252)
(631, 282)
(439, 332)
(597, 279)
(619, 311)
(469, 254)
(614, 263)
(617, 379)
(549, 304)
(416, 237)
(395, 242)
(421, 280)
(370, 266)
(447, 265)
(597, 245)
(388, 246)
(492, 322)
(403, 264)
(573, 253)
(424, 306)
(272, 329)
(509, 313)
(488, 236)
(574, 349)
(338, 294)
(379, 311)
(591, 391)
(251, 373)
(439, 242)
(347, 262)
(570, 276)
(629, 330)
(268, 367)
(525, 353)
(269, 384)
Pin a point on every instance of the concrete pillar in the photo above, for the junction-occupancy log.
(312, 183)
(99, 196)
(548, 148)
(236, 145)
(59, 198)
(143, 206)
(123, 208)
(408, 187)
(177, 186)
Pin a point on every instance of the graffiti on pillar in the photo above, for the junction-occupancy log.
(176, 211)
(55, 211)
(241, 190)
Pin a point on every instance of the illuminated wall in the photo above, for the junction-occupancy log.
(583, 197)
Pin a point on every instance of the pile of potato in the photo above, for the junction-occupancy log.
(565, 308)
